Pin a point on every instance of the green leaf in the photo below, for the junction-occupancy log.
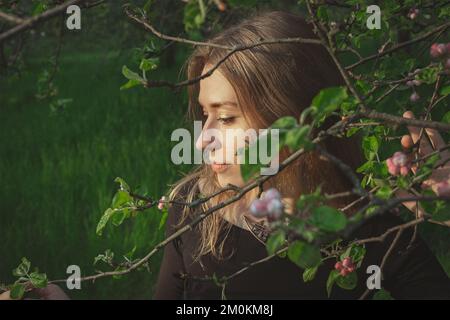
(118, 269)
(23, 268)
(299, 227)
(131, 75)
(382, 294)
(39, 280)
(356, 252)
(370, 146)
(267, 145)
(104, 220)
(445, 91)
(120, 215)
(310, 273)
(287, 122)
(440, 209)
(367, 167)
(130, 84)
(446, 118)
(334, 274)
(149, 64)
(129, 255)
(322, 13)
(314, 198)
(39, 8)
(275, 241)
(348, 282)
(199, 19)
(327, 101)
(304, 255)
(428, 75)
(385, 192)
(297, 138)
(164, 215)
(17, 291)
(328, 219)
(402, 182)
(123, 185)
(194, 16)
(106, 257)
(120, 198)
(249, 170)
(426, 169)
(349, 105)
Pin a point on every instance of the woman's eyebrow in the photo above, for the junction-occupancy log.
(219, 104)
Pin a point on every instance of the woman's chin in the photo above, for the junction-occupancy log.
(230, 176)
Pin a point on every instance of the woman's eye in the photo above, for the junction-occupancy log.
(226, 120)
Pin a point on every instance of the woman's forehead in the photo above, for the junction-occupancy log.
(215, 89)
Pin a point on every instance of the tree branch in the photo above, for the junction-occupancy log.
(399, 46)
(31, 22)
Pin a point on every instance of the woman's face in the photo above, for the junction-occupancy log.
(221, 114)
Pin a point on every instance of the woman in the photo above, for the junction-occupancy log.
(252, 89)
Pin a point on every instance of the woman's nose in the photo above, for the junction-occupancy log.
(208, 137)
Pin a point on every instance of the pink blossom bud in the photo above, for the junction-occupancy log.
(258, 208)
(347, 262)
(447, 64)
(161, 203)
(274, 209)
(414, 97)
(443, 188)
(344, 272)
(438, 50)
(272, 193)
(404, 170)
(400, 159)
(351, 269)
(413, 13)
(392, 168)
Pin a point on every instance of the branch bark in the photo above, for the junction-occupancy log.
(32, 22)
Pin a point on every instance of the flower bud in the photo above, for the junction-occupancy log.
(414, 97)
(438, 50)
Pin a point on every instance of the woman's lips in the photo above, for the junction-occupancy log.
(219, 167)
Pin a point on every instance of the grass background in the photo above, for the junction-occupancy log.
(57, 168)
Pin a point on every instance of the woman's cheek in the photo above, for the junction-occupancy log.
(234, 175)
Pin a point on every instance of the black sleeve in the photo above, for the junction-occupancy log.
(412, 271)
(169, 285)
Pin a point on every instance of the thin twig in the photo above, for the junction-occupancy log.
(31, 22)
(399, 46)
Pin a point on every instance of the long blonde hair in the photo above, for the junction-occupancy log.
(270, 81)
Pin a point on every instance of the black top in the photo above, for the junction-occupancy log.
(412, 273)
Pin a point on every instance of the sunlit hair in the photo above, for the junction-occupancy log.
(270, 81)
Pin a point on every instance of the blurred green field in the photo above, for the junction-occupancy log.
(57, 169)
